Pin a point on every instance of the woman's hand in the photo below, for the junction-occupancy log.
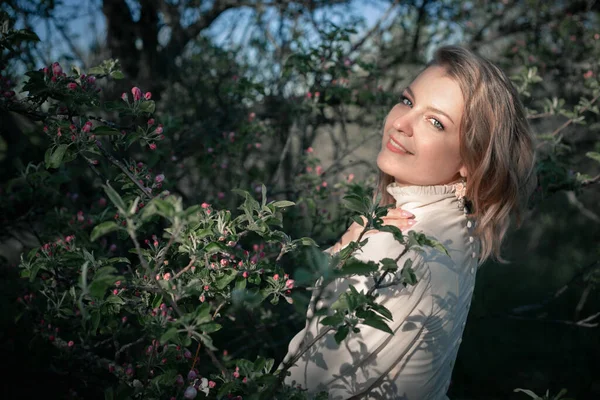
(397, 217)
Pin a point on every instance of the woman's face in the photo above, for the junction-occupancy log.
(421, 138)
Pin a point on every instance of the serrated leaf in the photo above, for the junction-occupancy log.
(593, 155)
(103, 229)
(341, 334)
(117, 75)
(115, 198)
(333, 320)
(353, 266)
(57, 156)
(283, 203)
(210, 327)
(378, 324)
(105, 130)
(389, 264)
(225, 280)
(147, 106)
(168, 335)
(96, 71)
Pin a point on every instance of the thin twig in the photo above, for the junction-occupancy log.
(128, 345)
(123, 168)
(187, 267)
(570, 121)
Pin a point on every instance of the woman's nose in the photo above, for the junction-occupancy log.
(404, 124)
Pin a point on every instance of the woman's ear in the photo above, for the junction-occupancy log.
(463, 172)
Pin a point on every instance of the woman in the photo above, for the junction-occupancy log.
(458, 136)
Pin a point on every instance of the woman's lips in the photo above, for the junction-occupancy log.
(396, 147)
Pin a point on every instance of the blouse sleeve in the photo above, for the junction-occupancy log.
(363, 358)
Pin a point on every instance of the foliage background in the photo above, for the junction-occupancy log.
(216, 67)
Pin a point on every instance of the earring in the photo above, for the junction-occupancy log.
(460, 190)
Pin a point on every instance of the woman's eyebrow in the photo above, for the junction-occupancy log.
(435, 110)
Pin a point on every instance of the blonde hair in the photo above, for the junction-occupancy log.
(496, 146)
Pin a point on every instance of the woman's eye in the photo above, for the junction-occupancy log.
(437, 124)
(404, 100)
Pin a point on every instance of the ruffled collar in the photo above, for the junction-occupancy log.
(412, 197)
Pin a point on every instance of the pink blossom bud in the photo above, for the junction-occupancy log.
(251, 117)
(71, 343)
(205, 205)
(124, 97)
(167, 276)
(309, 95)
(148, 95)
(179, 380)
(91, 80)
(289, 284)
(56, 69)
(152, 146)
(72, 85)
(159, 130)
(137, 93)
(159, 178)
(221, 195)
(211, 384)
(257, 145)
(124, 319)
(187, 354)
(245, 274)
(276, 277)
(151, 122)
(588, 74)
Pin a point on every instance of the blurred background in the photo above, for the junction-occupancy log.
(293, 94)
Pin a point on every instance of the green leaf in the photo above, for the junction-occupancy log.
(117, 75)
(210, 327)
(215, 247)
(168, 335)
(333, 320)
(353, 266)
(96, 71)
(382, 310)
(105, 130)
(389, 264)
(112, 299)
(283, 203)
(358, 219)
(378, 324)
(116, 260)
(57, 156)
(225, 280)
(158, 299)
(240, 283)
(26, 34)
(115, 198)
(354, 204)
(103, 229)
(147, 106)
(341, 334)
(593, 155)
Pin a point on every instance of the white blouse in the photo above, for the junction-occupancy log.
(428, 318)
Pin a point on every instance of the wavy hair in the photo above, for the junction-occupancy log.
(496, 146)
